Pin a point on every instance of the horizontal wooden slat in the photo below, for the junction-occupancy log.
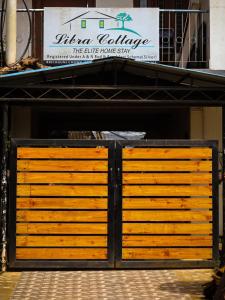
(166, 241)
(67, 153)
(156, 166)
(61, 253)
(93, 178)
(61, 241)
(158, 215)
(62, 190)
(166, 190)
(62, 203)
(62, 165)
(170, 178)
(166, 203)
(169, 228)
(167, 253)
(167, 153)
(61, 216)
(61, 228)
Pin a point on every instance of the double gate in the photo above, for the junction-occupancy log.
(107, 204)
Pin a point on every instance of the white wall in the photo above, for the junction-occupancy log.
(217, 36)
(114, 3)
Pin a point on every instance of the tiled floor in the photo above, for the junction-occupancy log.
(104, 285)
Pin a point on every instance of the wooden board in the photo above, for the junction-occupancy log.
(61, 253)
(67, 153)
(61, 241)
(62, 190)
(61, 228)
(160, 215)
(166, 228)
(61, 216)
(167, 153)
(62, 165)
(62, 203)
(166, 203)
(169, 178)
(93, 178)
(156, 166)
(166, 241)
(167, 190)
(167, 253)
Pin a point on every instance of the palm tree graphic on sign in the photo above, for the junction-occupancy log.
(124, 17)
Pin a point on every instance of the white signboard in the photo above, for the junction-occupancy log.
(81, 34)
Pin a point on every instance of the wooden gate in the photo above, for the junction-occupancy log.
(168, 204)
(99, 204)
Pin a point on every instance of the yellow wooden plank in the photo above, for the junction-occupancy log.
(166, 203)
(61, 241)
(61, 216)
(61, 253)
(62, 165)
(160, 215)
(167, 178)
(61, 228)
(167, 153)
(167, 190)
(167, 253)
(62, 190)
(166, 241)
(62, 203)
(67, 153)
(166, 228)
(156, 166)
(93, 178)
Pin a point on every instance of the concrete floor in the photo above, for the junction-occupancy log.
(104, 285)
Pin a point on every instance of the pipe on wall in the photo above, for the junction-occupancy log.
(11, 31)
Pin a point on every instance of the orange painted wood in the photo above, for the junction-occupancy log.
(61, 228)
(67, 153)
(61, 241)
(84, 178)
(61, 253)
(61, 216)
(160, 215)
(173, 166)
(167, 178)
(62, 190)
(166, 203)
(62, 203)
(167, 253)
(167, 153)
(167, 190)
(166, 228)
(62, 165)
(166, 241)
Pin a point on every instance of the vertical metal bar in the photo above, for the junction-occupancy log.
(182, 40)
(118, 204)
(189, 38)
(169, 39)
(162, 39)
(196, 36)
(175, 39)
(223, 180)
(4, 159)
(215, 199)
(202, 47)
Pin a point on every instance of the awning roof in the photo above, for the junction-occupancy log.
(179, 76)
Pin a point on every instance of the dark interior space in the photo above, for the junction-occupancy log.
(157, 123)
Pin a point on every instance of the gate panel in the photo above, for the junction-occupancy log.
(62, 204)
(168, 204)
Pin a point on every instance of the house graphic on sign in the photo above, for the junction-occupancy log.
(83, 19)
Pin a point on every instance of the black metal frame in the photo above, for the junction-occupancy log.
(149, 95)
(162, 264)
(59, 264)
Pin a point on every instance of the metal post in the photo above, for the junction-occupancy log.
(11, 32)
(4, 158)
(223, 182)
